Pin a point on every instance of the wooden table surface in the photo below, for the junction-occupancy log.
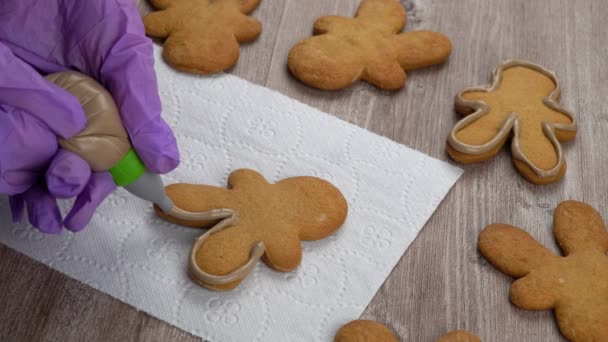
(441, 283)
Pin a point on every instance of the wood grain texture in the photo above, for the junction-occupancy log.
(441, 283)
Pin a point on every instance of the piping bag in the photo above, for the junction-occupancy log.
(104, 144)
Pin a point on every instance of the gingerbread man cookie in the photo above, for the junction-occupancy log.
(575, 286)
(459, 336)
(202, 36)
(368, 47)
(365, 331)
(262, 220)
(522, 101)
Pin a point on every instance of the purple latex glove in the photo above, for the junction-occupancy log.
(104, 39)
(44, 214)
(23, 162)
(29, 143)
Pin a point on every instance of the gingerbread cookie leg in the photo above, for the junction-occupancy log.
(459, 336)
(365, 330)
(218, 282)
(385, 75)
(590, 233)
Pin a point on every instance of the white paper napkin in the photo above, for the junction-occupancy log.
(223, 123)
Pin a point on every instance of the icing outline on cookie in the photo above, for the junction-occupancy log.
(211, 215)
(230, 218)
(480, 108)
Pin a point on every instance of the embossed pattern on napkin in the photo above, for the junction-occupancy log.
(223, 123)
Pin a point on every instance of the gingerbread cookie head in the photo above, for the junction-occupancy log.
(522, 101)
(575, 285)
(368, 47)
(270, 220)
(202, 36)
(365, 331)
(459, 336)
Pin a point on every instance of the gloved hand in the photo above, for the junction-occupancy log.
(103, 39)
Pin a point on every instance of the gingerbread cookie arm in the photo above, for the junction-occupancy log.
(325, 24)
(512, 250)
(247, 29)
(159, 24)
(247, 6)
(578, 227)
(470, 100)
(388, 15)
(418, 49)
(196, 207)
(485, 148)
(245, 177)
(534, 293)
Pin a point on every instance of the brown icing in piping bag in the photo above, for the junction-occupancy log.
(104, 144)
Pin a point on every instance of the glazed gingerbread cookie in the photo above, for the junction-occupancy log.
(521, 101)
(202, 36)
(265, 220)
(369, 47)
(459, 336)
(365, 331)
(575, 286)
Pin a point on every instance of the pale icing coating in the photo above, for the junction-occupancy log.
(230, 218)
